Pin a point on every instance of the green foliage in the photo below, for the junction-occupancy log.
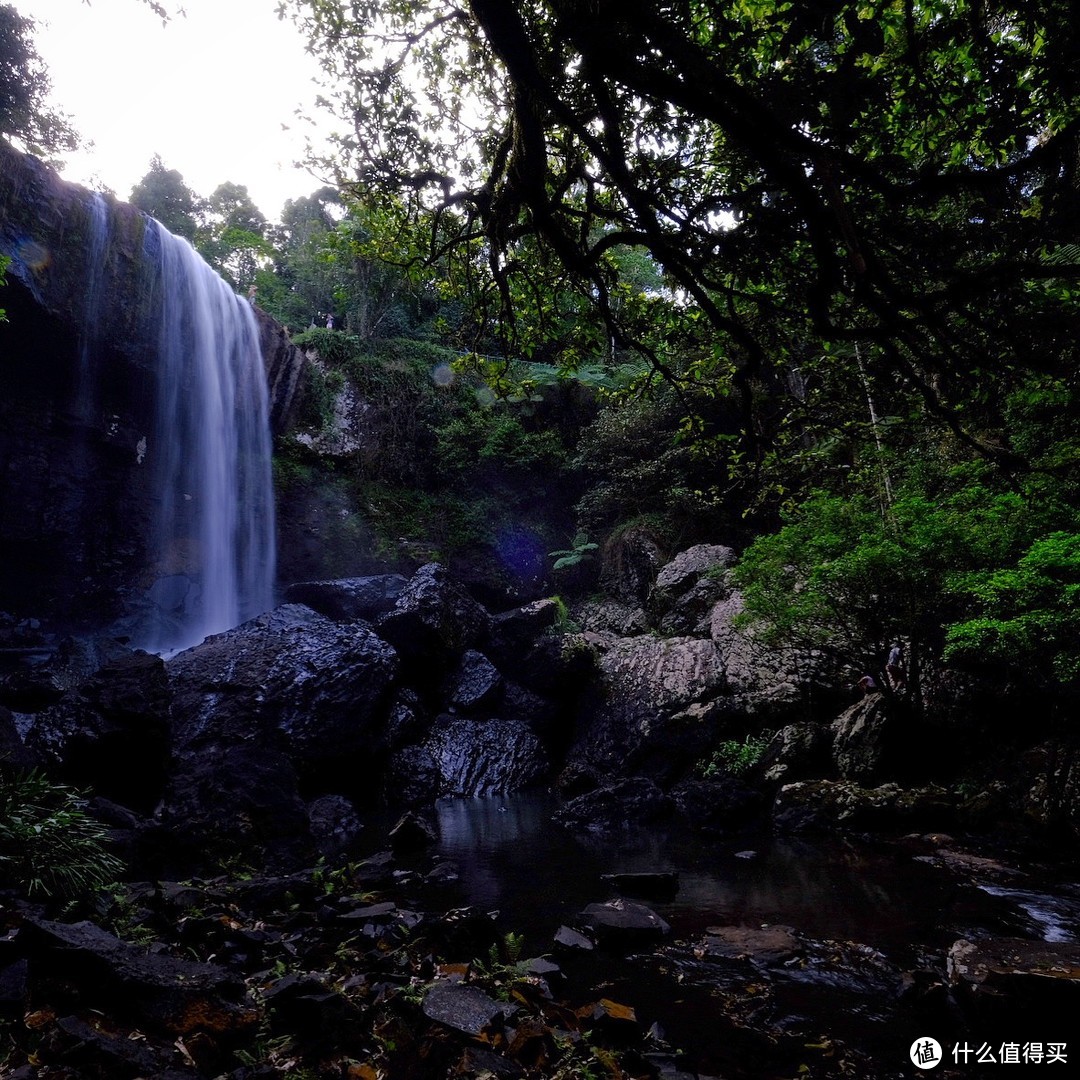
(734, 757)
(49, 845)
(1028, 615)
(24, 91)
(846, 577)
(162, 194)
(763, 201)
(573, 556)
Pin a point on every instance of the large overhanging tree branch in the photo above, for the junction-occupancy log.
(884, 172)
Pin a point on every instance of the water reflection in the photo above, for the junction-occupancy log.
(510, 857)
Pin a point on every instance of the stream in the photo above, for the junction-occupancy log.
(867, 914)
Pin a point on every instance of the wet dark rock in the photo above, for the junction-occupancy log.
(173, 995)
(406, 720)
(767, 945)
(15, 756)
(660, 885)
(413, 832)
(302, 686)
(1011, 981)
(483, 757)
(335, 825)
(234, 802)
(304, 1007)
(512, 633)
(615, 806)
(433, 621)
(14, 986)
(112, 733)
(412, 777)
(30, 689)
(348, 599)
(475, 684)
(540, 714)
(463, 1008)
(718, 805)
(623, 923)
(571, 940)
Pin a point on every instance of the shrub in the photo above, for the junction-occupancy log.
(49, 845)
(734, 757)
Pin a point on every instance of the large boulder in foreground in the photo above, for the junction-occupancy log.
(316, 688)
(290, 695)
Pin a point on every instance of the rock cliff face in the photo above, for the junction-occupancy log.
(78, 386)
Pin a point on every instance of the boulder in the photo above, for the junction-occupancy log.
(112, 733)
(288, 694)
(463, 1008)
(1011, 981)
(630, 561)
(614, 807)
(1049, 784)
(335, 825)
(167, 993)
(433, 621)
(348, 599)
(719, 805)
(800, 751)
(413, 832)
(656, 708)
(475, 684)
(483, 757)
(688, 587)
(623, 923)
(864, 740)
(764, 945)
(15, 756)
(317, 689)
(774, 686)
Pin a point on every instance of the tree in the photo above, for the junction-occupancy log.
(232, 236)
(888, 174)
(162, 194)
(24, 90)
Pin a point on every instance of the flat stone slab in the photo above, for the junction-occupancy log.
(623, 920)
(761, 945)
(463, 1008)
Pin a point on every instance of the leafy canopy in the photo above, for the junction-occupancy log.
(885, 172)
(24, 91)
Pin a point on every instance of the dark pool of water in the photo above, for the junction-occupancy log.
(510, 858)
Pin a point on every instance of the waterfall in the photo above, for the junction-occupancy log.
(210, 452)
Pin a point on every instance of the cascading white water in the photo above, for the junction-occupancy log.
(210, 452)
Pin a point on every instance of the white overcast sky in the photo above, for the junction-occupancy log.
(209, 92)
